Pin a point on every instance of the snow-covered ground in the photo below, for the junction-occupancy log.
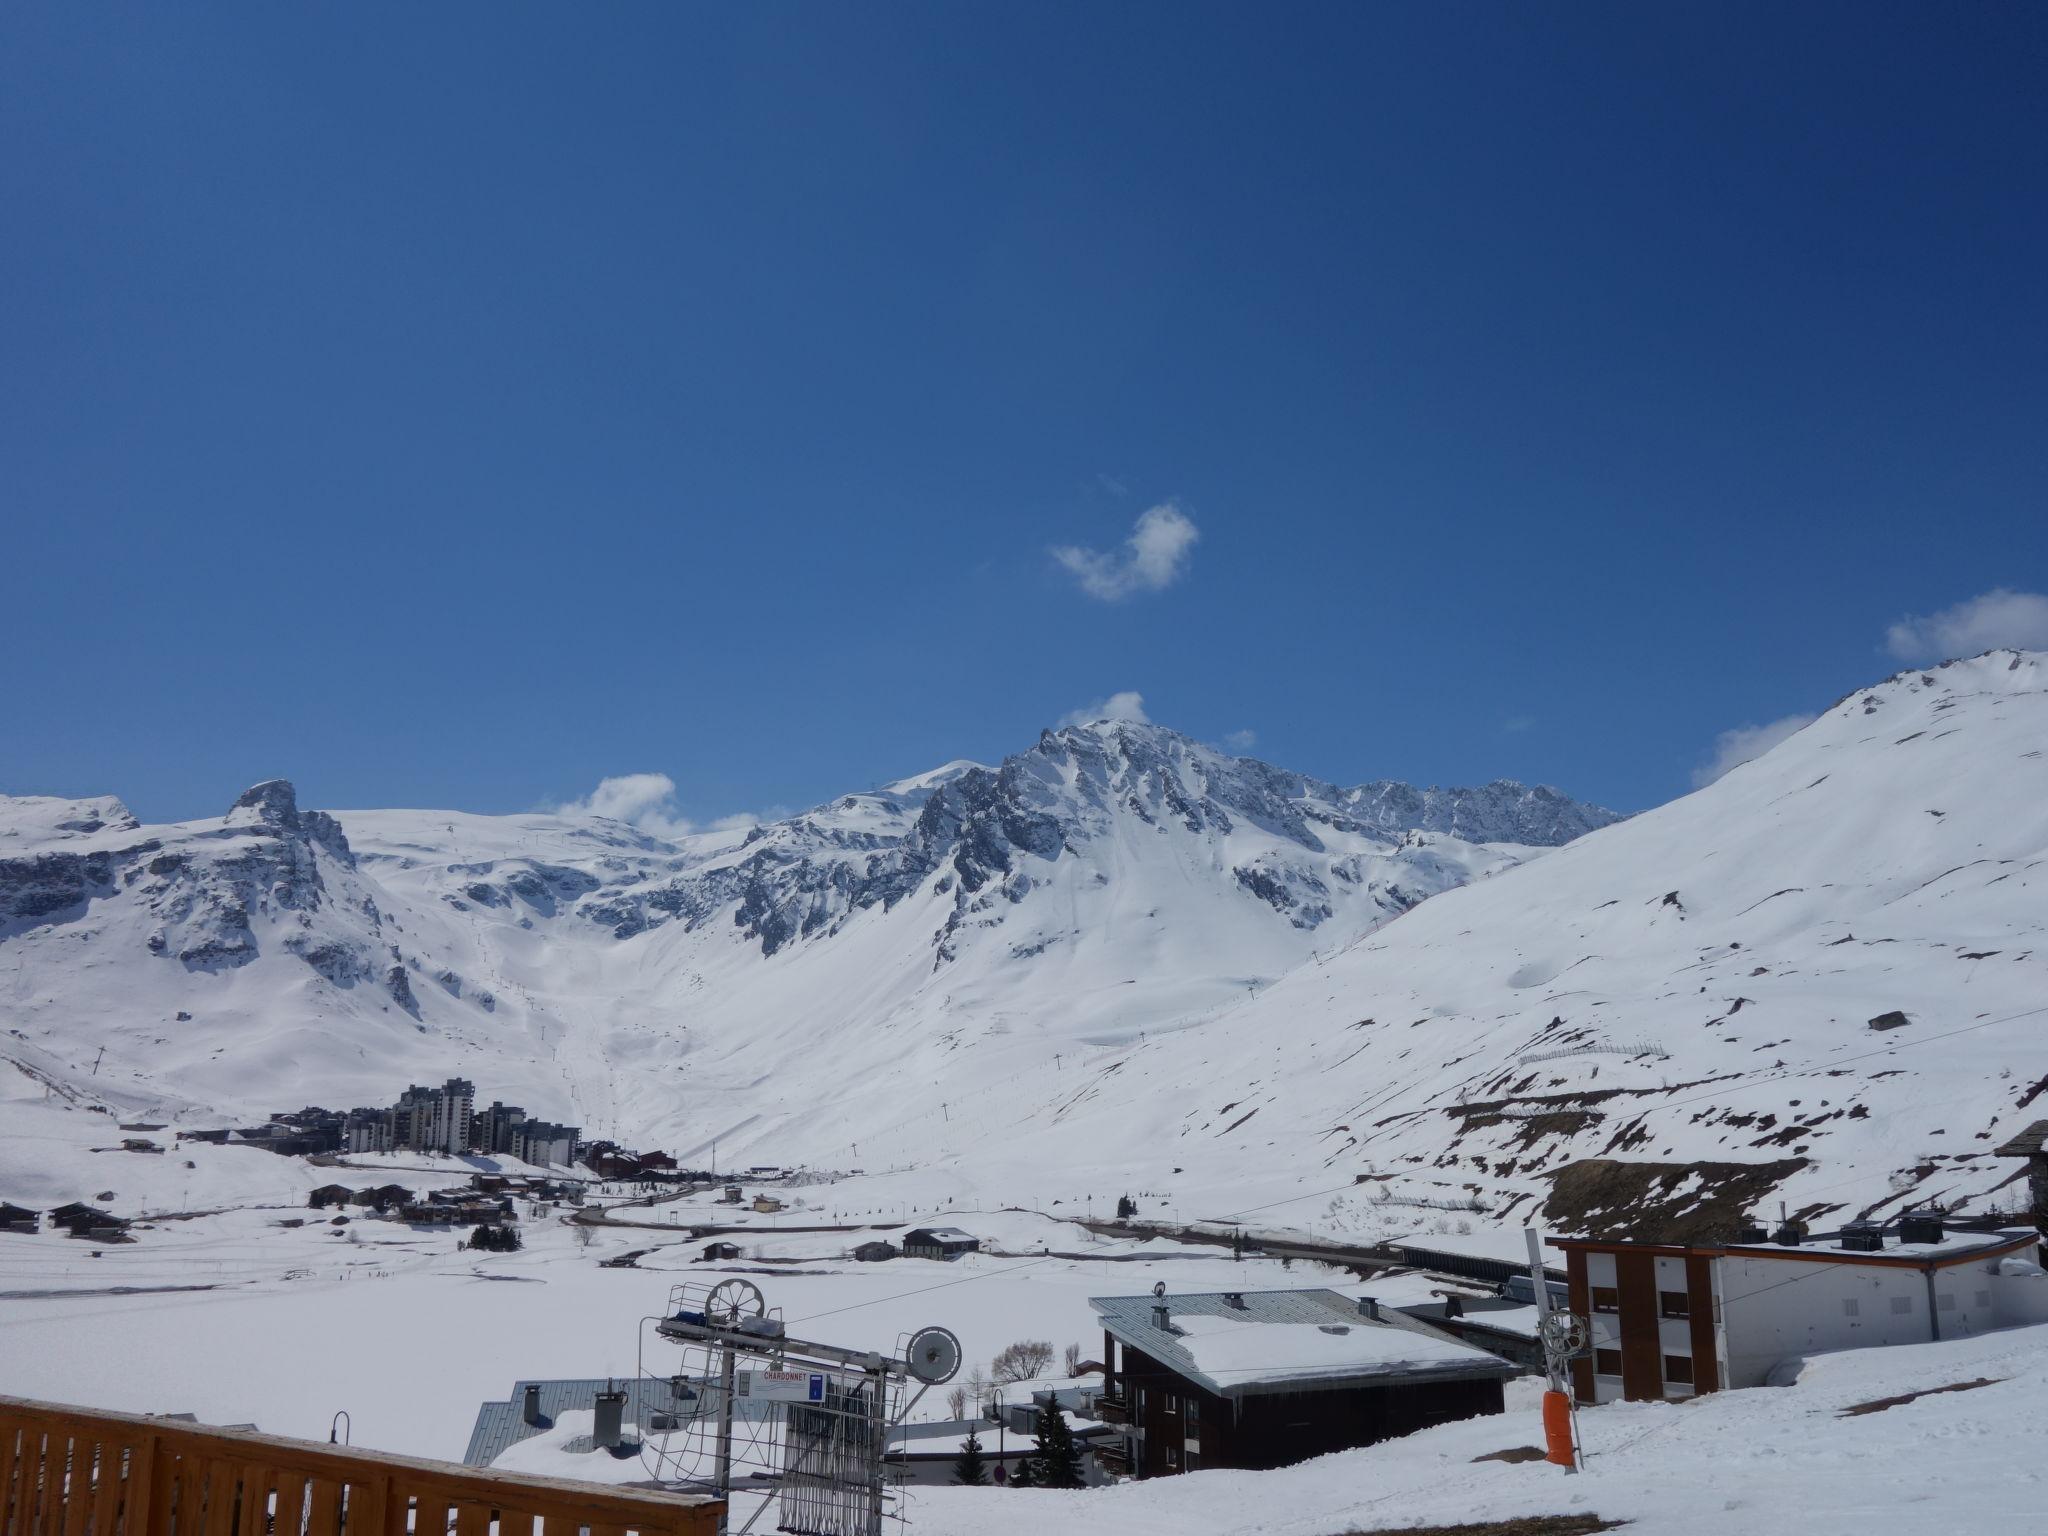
(302, 1321)
(1765, 1459)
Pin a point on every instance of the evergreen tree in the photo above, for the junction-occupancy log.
(1058, 1461)
(1025, 1473)
(970, 1468)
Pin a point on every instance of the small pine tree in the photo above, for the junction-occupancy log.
(1058, 1461)
(1025, 1473)
(970, 1468)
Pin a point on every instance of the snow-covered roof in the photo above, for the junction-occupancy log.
(1831, 1246)
(1287, 1341)
(943, 1234)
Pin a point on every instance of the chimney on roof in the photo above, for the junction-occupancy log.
(1234, 1299)
(1790, 1234)
(605, 1430)
(1162, 1317)
(1369, 1306)
(530, 1412)
(1453, 1307)
(1863, 1237)
(1921, 1227)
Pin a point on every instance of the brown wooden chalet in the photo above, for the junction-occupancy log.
(1261, 1379)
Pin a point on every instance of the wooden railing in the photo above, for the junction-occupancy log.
(80, 1472)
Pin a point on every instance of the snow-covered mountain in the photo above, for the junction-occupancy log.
(1823, 980)
(1122, 960)
(1112, 877)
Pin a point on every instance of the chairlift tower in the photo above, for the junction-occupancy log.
(747, 1408)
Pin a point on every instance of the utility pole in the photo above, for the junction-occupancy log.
(96, 1061)
(1559, 1334)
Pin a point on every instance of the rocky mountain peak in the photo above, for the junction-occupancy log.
(273, 803)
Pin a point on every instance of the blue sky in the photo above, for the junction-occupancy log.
(459, 405)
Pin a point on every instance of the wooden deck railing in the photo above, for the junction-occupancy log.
(79, 1472)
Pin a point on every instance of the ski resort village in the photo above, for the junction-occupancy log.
(1128, 1136)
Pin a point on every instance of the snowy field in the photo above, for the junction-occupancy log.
(302, 1321)
(1764, 1459)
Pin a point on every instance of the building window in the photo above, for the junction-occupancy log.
(1851, 1307)
(1678, 1369)
(1903, 1305)
(1194, 1414)
(1606, 1299)
(1172, 1405)
(1674, 1304)
(1946, 1301)
(1983, 1298)
(1607, 1362)
(1173, 1458)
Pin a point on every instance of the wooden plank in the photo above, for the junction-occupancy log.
(472, 1519)
(138, 1492)
(429, 1515)
(11, 1432)
(290, 1518)
(78, 1474)
(252, 1509)
(220, 1498)
(515, 1522)
(323, 1514)
(106, 1492)
(366, 1511)
(35, 1483)
(165, 1468)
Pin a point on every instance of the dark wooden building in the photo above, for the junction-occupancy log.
(2032, 1144)
(16, 1218)
(939, 1243)
(1261, 1379)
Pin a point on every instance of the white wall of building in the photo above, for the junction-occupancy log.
(1773, 1310)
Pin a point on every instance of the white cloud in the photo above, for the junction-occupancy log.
(1734, 748)
(1129, 706)
(1151, 559)
(1998, 618)
(1241, 741)
(646, 802)
(1514, 725)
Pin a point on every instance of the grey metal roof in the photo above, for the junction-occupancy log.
(502, 1425)
(2029, 1143)
(1129, 1320)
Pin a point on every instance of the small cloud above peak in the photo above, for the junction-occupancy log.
(1127, 706)
(646, 802)
(1734, 748)
(1152, 559)
(1241, 741)
(1998, 619)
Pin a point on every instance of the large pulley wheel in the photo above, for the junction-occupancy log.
(732, 1302)
(933, 1356)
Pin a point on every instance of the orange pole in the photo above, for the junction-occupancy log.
(1557, 1429)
